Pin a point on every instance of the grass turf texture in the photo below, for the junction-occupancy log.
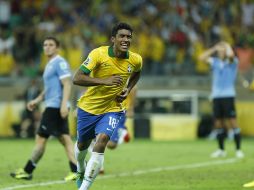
(139, 155)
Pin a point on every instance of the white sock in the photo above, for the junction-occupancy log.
(92, 169)
(80, 157)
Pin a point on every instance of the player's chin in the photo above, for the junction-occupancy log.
(124, 49)
(48, 54)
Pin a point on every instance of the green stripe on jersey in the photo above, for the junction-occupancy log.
(84, 69)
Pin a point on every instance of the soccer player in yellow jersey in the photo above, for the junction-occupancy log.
(120, 134)
(110, 72)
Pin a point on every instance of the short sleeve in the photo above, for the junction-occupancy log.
(90, 63)
(139, 64)
(63, 69)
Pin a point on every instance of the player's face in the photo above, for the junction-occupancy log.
(222, 52)
(50, 48)
(122, 40)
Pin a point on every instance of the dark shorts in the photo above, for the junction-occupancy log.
(52, 123)
(224, 108)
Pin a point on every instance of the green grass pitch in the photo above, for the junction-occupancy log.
(138, 165)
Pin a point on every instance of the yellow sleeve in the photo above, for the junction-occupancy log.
(91, 61)
(139, 64)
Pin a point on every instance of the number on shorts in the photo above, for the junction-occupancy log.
(113, 122)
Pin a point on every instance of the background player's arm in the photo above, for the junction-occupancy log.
(207, 54)
(33, 103)
(229, 51)
(66, 96)
(82, 79)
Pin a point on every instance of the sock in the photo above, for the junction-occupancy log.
(220, 138)
(237, 137)
(29, 167)
(80, 157)
(92, 169)
(73, 167)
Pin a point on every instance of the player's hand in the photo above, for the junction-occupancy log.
(114, 80)
(122, 96)
(64, 111)
(31, 105)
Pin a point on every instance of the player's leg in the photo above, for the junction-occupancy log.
(96, 161)
(38, 151)
(219, 127)
(112, 145)
(86, 123)
(118, 137)
(237, 136)
(221, 135)
(103, 130)
(81, 149)
(230, 114)
(43, 133)
(66, 141)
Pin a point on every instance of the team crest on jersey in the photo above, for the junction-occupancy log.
(129, 69)
(88, 60)
(63, 65)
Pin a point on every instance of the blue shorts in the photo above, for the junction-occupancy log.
(89, 125)
(121, 125)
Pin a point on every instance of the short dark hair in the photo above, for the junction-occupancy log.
(120, 26)
(57, 42)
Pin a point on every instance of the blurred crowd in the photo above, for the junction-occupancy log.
(169, 34)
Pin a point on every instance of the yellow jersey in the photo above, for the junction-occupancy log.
(129, 102)
(101, 63)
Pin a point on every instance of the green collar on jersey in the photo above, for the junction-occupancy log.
(111, 53)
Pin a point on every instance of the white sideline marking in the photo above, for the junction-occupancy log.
(138, 172)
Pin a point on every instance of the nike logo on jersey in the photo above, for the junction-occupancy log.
(129, 69)
(109, 129)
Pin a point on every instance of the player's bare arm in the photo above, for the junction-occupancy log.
(31, 105)
(208, 53)
(132, 82)
(66, 82)
(82, 79)
(229, 51)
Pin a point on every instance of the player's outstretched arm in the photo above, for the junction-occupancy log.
(82, 79)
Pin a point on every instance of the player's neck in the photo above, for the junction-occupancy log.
(119, 54)
(50, 57)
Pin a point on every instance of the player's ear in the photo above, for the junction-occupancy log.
(112, 39)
